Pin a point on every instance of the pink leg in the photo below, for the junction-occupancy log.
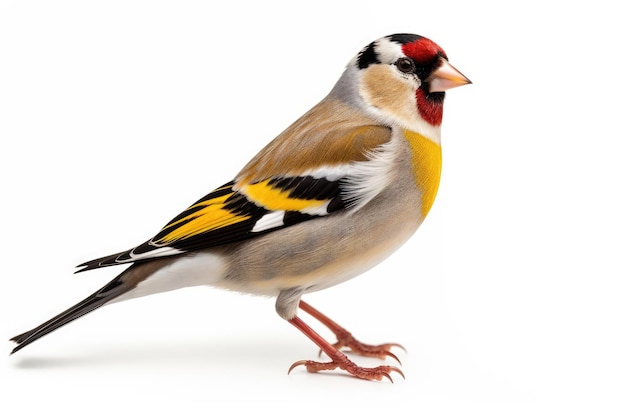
(345, 338)
(338, 359)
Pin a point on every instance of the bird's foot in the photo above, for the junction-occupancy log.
(382, 351)
(345, 338)
(340, 360)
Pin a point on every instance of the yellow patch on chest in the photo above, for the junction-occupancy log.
(426, 160)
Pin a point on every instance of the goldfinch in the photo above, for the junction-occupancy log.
(330, 197)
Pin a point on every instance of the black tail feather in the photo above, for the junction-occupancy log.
(102, 262)
(105, 294)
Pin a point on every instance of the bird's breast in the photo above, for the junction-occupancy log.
(426, 166)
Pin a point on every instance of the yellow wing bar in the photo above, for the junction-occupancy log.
(205, 217)
(271, 198)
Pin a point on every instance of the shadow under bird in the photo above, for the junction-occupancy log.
(330, 197)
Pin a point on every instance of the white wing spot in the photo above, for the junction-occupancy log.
(269, 221)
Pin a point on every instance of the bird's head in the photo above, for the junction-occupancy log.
(401, 79)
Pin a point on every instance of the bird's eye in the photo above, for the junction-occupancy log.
(405, 65)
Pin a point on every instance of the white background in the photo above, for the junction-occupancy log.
(510, 300)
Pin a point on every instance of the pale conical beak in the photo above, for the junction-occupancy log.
(446, 77)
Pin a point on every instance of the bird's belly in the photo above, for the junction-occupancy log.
(324, 252)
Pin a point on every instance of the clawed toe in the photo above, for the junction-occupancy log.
(345, 339)
(381, 351)
(371, 374)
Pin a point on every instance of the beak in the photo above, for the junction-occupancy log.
(446, 77)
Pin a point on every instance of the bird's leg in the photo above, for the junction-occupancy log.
(338, 359)
(345, 338)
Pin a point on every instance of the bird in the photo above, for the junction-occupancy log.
(330, 197)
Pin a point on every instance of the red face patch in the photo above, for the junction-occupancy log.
(422, 50)
(430, 110)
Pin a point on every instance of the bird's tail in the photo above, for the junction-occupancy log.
(110, 291)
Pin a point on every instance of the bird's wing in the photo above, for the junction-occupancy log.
(268, 196)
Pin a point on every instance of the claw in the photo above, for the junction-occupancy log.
(391, 355)
(399, 371)
(391, 369)
(398, 345)
(296, 364)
